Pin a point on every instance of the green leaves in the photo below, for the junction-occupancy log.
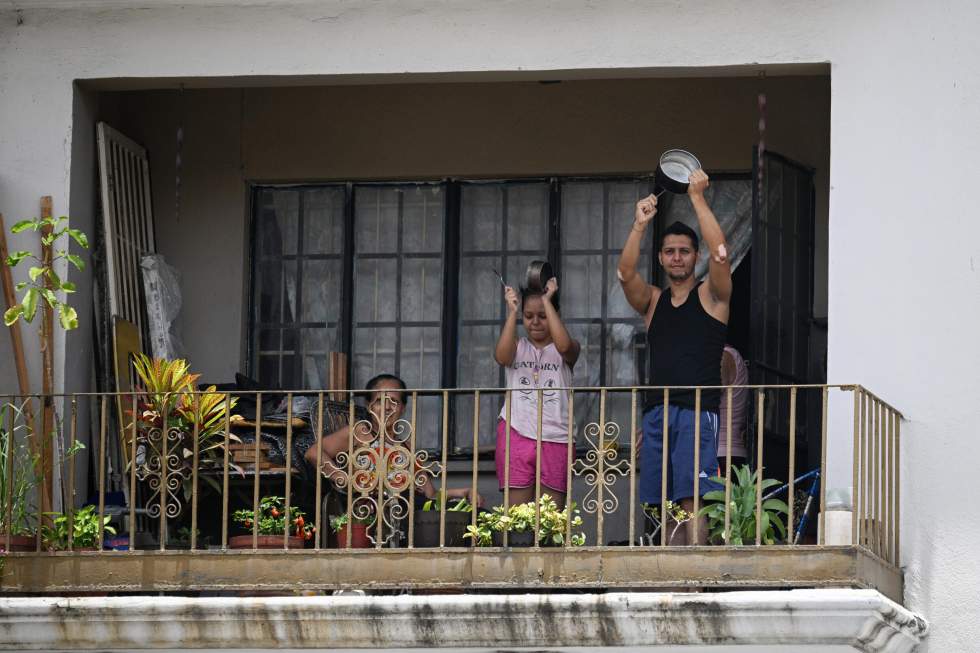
(76, 261)
(17, 257)
(44, 280)
(30, 303)
(79, 238)
(742, 510)
(12, 314)
(67, 317)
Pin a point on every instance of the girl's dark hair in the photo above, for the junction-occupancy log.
(527, 292)
(373, 383)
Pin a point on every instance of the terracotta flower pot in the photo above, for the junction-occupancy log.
(358, 539)
(263, 542)
(18, 542)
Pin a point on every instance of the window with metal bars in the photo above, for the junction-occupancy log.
(402, 278)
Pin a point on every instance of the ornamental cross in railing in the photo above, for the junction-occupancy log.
(599, 467)
(378, 473)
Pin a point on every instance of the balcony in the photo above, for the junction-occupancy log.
(219, 463)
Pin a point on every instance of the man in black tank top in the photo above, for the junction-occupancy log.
(686, 323)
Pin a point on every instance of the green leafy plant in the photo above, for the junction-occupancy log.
(520, 518)
(45, 284)
(169, 394)
(742, 511)
(84, 529)
(435, 504)
(337, 523)
(675, 514)
(272, 519)
(18, 475)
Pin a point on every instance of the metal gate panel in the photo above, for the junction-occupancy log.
(124, 175)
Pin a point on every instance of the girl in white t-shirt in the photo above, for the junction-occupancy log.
(542, 360)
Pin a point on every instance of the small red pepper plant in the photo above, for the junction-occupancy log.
(272, 519)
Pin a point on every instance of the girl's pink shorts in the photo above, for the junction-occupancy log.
(554, 460)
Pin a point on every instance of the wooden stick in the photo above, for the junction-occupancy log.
(17, 342)
(47, 370)
(23, 381)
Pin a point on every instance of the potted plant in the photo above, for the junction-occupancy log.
(272, 523)
(43, 286)
(83, 534)
(358, 529)
(182, 539)
(675, 514)
(742, 513)
(518, 522)
(18, 478)
(458, 517)
(168, 393)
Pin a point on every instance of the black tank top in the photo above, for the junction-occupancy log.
(685, 346)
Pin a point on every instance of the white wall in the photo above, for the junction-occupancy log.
(903, 285)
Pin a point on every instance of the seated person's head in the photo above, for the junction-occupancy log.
(387, 398)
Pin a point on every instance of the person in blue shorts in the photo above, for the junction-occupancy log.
(687, 322)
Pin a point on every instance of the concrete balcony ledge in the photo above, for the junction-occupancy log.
(783, 620)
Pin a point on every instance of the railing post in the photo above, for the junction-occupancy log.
(569, 455)
(760, 419)
(855, 463)
(411, 488)
(632, 508)
(601, 469)
(697, 465)
(318, 509)
(823, 466)
(665, 452)
(728, 469)
(898, 486)
(70, 499)
(255, 477)
(287, 515)
(792, 465)
(224, 477)
(507, 409)
(476, 460)
(444, 470)
(132, 476)
(196, 458)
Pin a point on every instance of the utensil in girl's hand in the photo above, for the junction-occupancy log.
(502, 282)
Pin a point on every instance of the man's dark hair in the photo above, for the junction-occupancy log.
(373, 383)
(527, 292)
(680, 229)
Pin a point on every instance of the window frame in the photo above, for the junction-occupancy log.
(452, 257)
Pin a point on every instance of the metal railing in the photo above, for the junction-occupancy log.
(171, 457)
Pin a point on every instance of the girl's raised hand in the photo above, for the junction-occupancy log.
(510, 296)
(550, 288)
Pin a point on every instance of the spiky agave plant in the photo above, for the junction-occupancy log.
(743, 510)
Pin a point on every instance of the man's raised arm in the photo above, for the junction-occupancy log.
(638, 292)
(719, 267)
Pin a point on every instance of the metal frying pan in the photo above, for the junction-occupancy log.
(674, 171)
(538, 273)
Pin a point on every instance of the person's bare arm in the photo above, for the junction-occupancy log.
(566, 345)
(331, 445)
(429, 490)
(507, 342)
(728, 369)
(719, 267)
(638, 292)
